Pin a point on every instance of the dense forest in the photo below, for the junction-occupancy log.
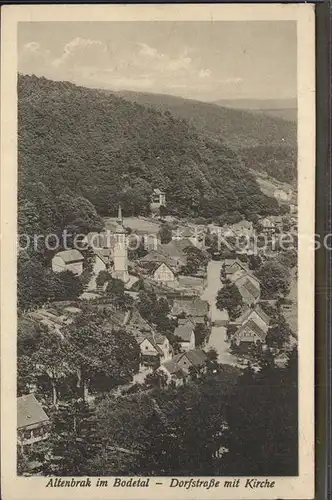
(263, 142)
(82, 151)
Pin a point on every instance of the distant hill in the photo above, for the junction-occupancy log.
(81, 148)
(255, 136)
(278, 108)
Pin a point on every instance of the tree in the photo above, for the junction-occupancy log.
(201, 332)
(73, 440)
(52, 359)
(229, 298)
(69, 286)
(165, 233)
(263, 424)
(103, 277)
(254, 262)
(274, 279)
(195, 259)
(103, 358)
(278, 335)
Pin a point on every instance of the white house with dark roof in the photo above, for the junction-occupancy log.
(194, 358)
(249, 333)
(163, 273)
(32, 421)
(68, 260)
(255, 314)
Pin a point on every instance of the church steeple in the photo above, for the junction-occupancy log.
(119, 219)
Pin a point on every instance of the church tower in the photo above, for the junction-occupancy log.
(120, 254)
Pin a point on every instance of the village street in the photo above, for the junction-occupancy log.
(218, 333)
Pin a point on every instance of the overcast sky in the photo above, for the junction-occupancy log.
(205, 60)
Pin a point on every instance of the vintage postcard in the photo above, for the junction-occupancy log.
(157, 251)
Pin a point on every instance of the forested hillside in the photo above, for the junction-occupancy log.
(81, 151)
(246, 132)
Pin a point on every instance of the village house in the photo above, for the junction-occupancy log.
(257, 315)
(195, 308)
(163, 273)
(243, 228)
(186, 332)
(68, 260)
(158, 199)
(155, 348)
(32, 422)
(231, 266)
(192, 359)
(248, 334)
(177, 369)
(268, 225)
(173, 372)
(193, 237)
(248, 286)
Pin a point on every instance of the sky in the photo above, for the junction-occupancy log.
(203, 60)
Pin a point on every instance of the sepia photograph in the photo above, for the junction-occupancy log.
(163, 203)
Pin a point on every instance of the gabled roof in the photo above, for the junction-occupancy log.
(174, 248)
(29, 411)
(136, 320)
(69, 256)
(141, 337)
(184, 331)
(158, 258)
(196, 357)
(249, 311)
(249, 288)
(173, 368)
(254, 328)
(159, 264)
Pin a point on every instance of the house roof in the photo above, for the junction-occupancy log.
(136, 320)
(174, 248)
(242, 224)
(190, 281)
(184, 331)
(254, 328)
(159, 264)
(191, 307)
(29, 411)
(173, 368)
(72, 255)
(158, 191)
(141, 337)
(249, 311)
(158, 258)
(248, 290)
(196, 357)
(184, 321)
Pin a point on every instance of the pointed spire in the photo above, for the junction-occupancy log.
(119, 220)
